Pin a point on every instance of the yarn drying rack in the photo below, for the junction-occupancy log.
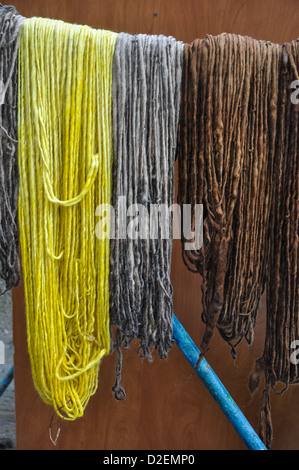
(209, 379)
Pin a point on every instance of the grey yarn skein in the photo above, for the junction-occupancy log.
(146, 85)
(10, 23)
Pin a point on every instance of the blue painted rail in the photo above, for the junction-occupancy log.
(216, 388)
(6, 381)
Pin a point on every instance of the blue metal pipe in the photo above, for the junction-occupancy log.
(216, 388)
(6, 381)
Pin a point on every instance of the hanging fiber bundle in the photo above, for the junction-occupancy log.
(146, 96)
(10, 23)
(226, 151)
(279, 362)
(65, 160)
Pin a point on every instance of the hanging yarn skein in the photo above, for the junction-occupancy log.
(279, 362)
(65, 160)
(226, 151)
(146, 96)
(10, 23)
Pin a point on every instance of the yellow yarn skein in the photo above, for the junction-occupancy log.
(65, 165)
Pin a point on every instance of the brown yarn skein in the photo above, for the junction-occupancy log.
(226, 150)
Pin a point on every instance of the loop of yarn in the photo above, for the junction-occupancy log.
(65, 160)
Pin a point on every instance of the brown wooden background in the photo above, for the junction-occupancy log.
(165, 408)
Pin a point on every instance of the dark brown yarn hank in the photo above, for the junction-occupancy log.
(10, 23)
(226, 151)
(282, 327)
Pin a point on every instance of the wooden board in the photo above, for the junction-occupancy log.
(166, 408)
